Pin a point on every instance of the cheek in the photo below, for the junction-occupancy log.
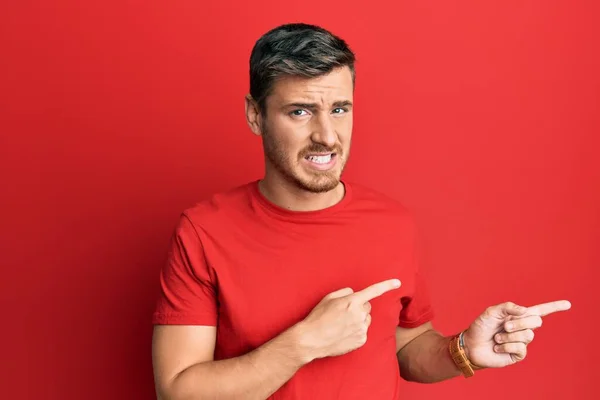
(289, 139)
(282, 147)
(345, 135)
(344, 127)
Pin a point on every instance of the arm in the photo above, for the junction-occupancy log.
(497, 338)
(184, 366)
(423, 355)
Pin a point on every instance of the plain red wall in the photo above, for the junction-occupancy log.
(482, 117)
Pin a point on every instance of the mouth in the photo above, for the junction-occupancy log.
(322, 161)
(320, 158)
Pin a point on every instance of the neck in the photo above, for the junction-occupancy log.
(287, 195)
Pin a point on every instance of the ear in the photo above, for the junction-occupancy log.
(253, 117)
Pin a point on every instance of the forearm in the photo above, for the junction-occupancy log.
(255, 375)
(426, 359)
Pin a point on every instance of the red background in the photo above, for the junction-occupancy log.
(482, 117)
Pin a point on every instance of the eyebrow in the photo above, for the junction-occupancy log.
(314, 106)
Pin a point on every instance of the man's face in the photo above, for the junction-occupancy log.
(307, 129)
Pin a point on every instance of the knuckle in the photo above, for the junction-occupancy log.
(345, 302)
(351, 302)
(530, 335)
(340, 305)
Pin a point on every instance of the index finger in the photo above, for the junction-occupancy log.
(549, 308)
(375, 290)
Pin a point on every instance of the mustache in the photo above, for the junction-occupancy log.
(319, 148)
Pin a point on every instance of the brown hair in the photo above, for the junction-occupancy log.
(295, 50)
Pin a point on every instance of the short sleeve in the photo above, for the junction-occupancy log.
(416, 307)
(416, 303)
(188, 294)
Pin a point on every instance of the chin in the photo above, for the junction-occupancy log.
(321, 184)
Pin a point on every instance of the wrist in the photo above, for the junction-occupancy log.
(458, 351)
(301, 344)
(465, 343)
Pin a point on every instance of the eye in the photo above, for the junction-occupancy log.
(298, 113)
(339, 110)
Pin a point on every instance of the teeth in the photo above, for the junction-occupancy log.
(320, 159)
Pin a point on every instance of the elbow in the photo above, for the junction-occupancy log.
(169, 394)
(407, 374)
(405, 371)
(411, 378)
(170, 390)
(163, 393)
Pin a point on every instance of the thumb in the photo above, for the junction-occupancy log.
(339, 293)
(501, 311)
(510, 308)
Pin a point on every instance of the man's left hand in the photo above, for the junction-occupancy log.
(499, 337)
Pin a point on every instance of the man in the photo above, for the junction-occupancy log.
(302, 285)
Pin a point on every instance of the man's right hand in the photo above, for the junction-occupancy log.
(340, 322)
(185, 366)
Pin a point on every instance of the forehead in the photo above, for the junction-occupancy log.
(334, 86)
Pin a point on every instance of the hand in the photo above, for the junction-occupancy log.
(340, 322)
(499, 337)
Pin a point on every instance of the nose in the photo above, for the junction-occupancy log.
(324, 131)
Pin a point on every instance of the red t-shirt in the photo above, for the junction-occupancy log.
(253, 269)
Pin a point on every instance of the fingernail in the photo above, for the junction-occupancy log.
(496, 348)
(396, 283)
(498, 338)
(509, 326)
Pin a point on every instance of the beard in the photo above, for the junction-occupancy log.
(291, 170)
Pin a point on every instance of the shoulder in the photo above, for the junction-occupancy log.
(219, 208)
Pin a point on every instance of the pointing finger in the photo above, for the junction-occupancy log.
(549, 308)
(375, 290)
